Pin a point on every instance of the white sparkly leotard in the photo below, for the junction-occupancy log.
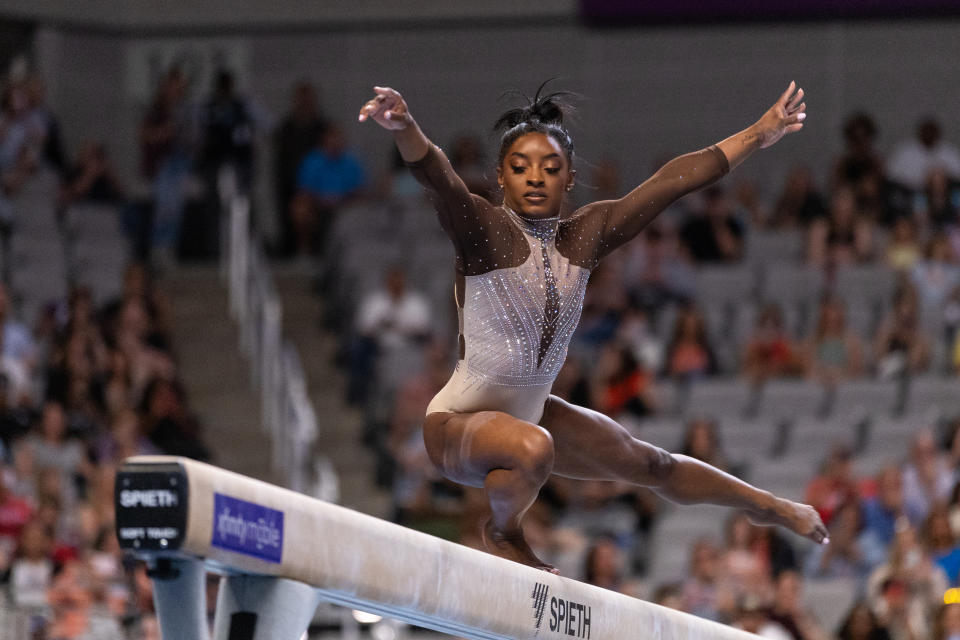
(521, 282)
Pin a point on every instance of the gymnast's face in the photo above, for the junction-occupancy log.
(535, 176)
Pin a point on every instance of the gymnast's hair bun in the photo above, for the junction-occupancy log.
(546, 109)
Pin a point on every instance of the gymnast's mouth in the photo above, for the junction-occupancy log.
(535, 196)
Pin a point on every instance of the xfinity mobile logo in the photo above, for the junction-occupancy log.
(260, 533)
(248, 528)
(567, 617)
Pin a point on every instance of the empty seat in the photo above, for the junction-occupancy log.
(790, 399)
(765, 247)
(786, 477)
(865, 397)
(792, 284)
(812, 438)
(873, 284)
(718, 397)
(942, 393)
(725, 284)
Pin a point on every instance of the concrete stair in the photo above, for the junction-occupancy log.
(339, 425)
(216, 376)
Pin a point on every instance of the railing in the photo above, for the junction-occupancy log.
(275, 369)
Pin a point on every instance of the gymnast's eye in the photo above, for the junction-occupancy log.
(517, 168)
(552, 170)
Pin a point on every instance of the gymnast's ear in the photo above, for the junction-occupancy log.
(570, 179)
(500, 176)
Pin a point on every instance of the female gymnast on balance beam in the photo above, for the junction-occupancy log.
(521, 272)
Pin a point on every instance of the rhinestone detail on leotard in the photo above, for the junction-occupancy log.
(518, 321)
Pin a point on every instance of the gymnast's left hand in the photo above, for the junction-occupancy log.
(785, 116)
(387, 108)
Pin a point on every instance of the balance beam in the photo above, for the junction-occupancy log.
(179, 514)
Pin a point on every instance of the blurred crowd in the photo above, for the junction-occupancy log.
(84, 383)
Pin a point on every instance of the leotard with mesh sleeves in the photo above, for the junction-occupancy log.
(520, 281)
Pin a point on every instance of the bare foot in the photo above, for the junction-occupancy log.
(802, 519)
(512, 546)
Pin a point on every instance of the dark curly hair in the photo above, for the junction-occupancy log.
(544, 114)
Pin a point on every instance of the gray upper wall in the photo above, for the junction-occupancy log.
(214, 15)
(648, 93)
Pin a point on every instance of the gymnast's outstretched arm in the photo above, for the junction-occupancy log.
(621, 220)
(461, 213)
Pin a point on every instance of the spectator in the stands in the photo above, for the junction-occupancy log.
(76, 602)
(605, 180)
(45, 124)
(799, 203)
(92, 179)
(834, 352)
(15, 513)
(690, 354)
(844, 237)
(834, 485)
(51, 448)
(605, 567)
(852, 552)
(167, 140)
(941, 543)
(701, 440)
(770, 352)
(860, 167)
(927, 477)
(31, 572)
(293, 140)
(18, 138)
(124, 439)
(903, 250)
(17, 343)
(637, 334)
(743, 562)
(946, 626)
(603, 305)
(937, 275)
(229, 127)
(861, 623)
(905, 591)
(753, 616)
(19, 157)
(913, 160)
(413, 474)
(940, 209)
(882, 510)
(791, 612)
(391, 327)
(467, 159)
(657, 270)
(621, 384)
(705, 592)
(167, 422)
(329, 177)
(713, 234)
(900, 345)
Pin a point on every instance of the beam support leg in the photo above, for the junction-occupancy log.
(180, 598)
(263, 608)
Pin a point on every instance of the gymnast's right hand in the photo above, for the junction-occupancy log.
(388, 109)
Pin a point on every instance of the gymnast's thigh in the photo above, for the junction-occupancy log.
(465, 447)
(589, 445)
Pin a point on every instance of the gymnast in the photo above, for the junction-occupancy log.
(521, 273)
